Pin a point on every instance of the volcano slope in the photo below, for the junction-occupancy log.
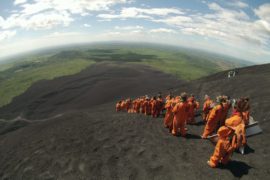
(89, 140)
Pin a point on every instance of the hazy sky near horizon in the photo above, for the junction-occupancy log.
(239, 28)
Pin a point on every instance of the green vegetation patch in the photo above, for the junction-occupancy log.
(27, 74)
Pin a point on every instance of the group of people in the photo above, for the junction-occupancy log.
(230, 131)
(181, 110)
(149, 106)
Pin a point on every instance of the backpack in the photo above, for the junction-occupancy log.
(238, 138)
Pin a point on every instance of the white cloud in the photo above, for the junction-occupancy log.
(46, 20)
(263, 12)
(146, 13)
(61, 34)
(1, 21)
(175, 20)
(74, 7)
(162, 30)
(16, 2)
(6, 35)
(87, 25)
(128, 27)
(227, 14)
(238, 4)
(46, 14)
(232, 28)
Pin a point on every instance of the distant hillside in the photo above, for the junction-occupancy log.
(18, 74)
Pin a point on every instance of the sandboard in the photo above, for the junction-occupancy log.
(251, 130)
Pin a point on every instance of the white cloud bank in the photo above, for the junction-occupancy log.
(232, 28)
(16, 2)
(228, 26)
(46, 14)
(6, 35)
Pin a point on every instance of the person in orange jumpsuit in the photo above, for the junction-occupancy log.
(223, 149)
(133, 106)
(147, 106)
(206, 107)
(128, 105)
(137, 105)
(213, 119)
(168, 97)
(180, 112)
(192, 108)
(123, 105)
(226, 107)
(142, 110)
(118, 106)
(168, 120)
(246, 113)
(237, 118)
(160, 105)
(154, 107)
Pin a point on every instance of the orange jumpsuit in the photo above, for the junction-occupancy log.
(154, 108)
(136, 106)
(168, 120)
(223, 149)
(147, 107)
(167, 97)
(246, 115)
(160, 106)
(180, 111)
(206, 108)
(212, 121)
(143, 106)
(192, 107)
(118, 107)
(226, 108)
(123, 105)
(128, 105)
(234, 121)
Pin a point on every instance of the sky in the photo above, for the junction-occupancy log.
(238, 28)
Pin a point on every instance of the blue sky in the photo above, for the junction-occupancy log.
(239, 28)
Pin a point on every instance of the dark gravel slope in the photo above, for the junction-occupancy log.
(101, 83)
(91, 141)
(102, 144)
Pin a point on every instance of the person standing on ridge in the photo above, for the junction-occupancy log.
(214, 118)
(180, 112)
(226, 107)
(206, 107)
(168, 119)
(118, 106)
(192, 108)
